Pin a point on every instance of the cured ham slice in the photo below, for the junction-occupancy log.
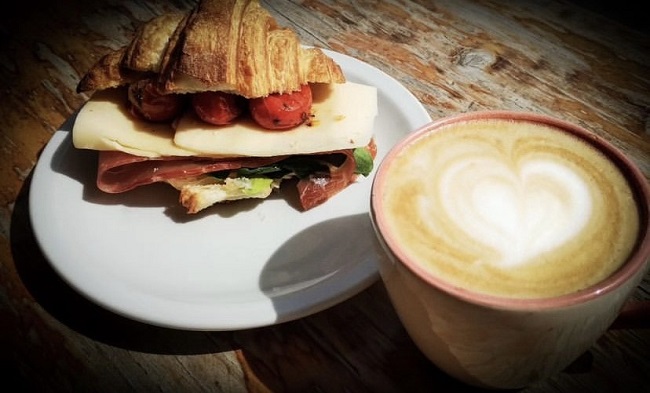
(119, 172)
(317, 189)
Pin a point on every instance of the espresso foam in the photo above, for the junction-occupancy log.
(510, 208)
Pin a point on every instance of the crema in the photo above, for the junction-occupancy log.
(510, 208)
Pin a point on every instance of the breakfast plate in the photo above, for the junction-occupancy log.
(233, 266)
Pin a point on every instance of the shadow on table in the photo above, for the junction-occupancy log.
(85, 317)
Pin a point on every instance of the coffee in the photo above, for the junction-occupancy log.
(509, 208)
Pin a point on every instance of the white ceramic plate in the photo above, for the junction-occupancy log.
(241, 265)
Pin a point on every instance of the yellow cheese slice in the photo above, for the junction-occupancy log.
(104, 123)
(343, 118)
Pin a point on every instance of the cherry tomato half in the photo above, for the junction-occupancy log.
(145, 102)
(282, 111)
(216, 107)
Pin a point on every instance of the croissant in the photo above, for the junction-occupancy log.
(138, 60)
(234, 46)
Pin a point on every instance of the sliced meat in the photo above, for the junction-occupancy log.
(318, 188)
(118, 172)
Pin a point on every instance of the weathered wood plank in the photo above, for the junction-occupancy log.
(455, 56)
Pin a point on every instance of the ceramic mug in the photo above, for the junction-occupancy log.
(510, 242)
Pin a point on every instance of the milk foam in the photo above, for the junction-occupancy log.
(519, 212)
(511, 209)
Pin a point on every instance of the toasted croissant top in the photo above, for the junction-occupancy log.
(141, 59)
(233, 45)
(146, 50)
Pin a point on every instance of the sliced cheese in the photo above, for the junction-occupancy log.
(104, 123)
(343, 118)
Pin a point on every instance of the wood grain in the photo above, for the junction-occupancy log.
(551, 57)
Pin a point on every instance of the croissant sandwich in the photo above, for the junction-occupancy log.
(222, 103)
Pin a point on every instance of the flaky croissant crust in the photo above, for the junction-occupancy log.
(234, 46)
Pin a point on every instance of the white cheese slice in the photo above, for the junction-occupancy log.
(343, 113)
(343, 118)
(104, 123)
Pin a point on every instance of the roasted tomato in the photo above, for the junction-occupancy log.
(147, 103)
(282, 111)
(217, 107)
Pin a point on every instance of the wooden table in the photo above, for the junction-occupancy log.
(455, 56)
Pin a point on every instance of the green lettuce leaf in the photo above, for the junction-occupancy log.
(364, 161)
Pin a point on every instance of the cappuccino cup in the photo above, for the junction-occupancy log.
(510, 242)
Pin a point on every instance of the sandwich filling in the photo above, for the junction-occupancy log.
(209, 164)
(224, 104)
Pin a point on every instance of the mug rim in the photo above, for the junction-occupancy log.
(635, 178)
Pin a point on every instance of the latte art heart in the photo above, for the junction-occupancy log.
(509, 208)
(519, 213)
